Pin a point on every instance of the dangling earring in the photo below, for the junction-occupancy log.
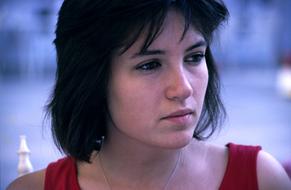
(99, 143)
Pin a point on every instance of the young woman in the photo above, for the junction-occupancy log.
(136, 94)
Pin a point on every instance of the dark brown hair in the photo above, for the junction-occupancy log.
(87, 34)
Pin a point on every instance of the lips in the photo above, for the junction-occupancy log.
(180, 117)
(180, 113)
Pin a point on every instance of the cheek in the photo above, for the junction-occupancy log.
(117, 107)
(199, 86)
(118, 100)
(201, 82)
(205, 79)
(128, 102)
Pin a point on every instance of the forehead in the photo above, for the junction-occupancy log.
(173, 32)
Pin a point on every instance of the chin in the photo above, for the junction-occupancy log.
(178, 142)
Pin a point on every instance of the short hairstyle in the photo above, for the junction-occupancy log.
(88, 32)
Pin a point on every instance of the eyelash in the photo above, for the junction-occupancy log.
(196, 58)
(149, 66)
(155, 64)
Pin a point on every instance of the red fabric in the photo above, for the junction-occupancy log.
(62, 175)
(241, 171)
(240, 174)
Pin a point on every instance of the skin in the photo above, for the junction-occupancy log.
(147, 87)
(144, 90)
(144, 144)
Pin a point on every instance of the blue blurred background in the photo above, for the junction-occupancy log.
(250, 51)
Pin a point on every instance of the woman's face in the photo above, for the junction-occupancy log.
(155, 97)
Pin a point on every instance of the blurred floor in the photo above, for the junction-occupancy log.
(256, 115)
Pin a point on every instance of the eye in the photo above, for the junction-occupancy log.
(149, 66)
(195, 58)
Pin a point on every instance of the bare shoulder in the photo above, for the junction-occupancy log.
(271, 174)
(219, 156)
(215, 156)
(218, 149)
(218, 153)
(33, 180)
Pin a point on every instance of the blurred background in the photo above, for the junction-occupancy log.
(253, 51)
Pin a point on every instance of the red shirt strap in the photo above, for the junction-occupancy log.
(241, 171)
(62, 175)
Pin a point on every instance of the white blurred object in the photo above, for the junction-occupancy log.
(24, 164)
(284, 81)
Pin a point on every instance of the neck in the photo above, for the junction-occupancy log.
(131, 162)
(139, 178)
(147, 177)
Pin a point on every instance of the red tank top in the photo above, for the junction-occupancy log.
(240, 174)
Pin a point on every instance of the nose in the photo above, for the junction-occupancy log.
(179, 85)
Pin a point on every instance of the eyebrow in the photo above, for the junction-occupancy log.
(196, 45)
(161, 52)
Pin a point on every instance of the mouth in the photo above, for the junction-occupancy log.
(180, 117)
